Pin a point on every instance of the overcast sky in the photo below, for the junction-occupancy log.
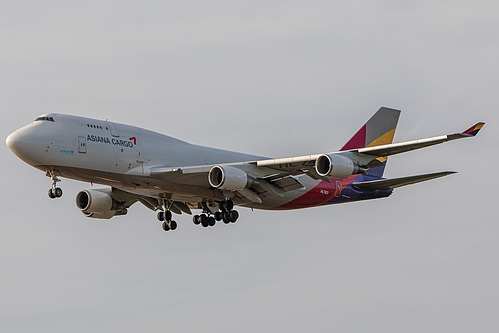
(273, 78)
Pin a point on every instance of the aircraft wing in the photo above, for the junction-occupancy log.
(365, 156)
(278, 176)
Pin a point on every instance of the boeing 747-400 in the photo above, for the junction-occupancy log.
(169, 176)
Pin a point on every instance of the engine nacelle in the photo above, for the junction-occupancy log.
(97, 204)
(228, 178)
(336, 166)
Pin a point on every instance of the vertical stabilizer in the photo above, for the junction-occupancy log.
(379, 130)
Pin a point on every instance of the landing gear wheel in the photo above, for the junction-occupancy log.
(58, 192)
(51, 194)
(161, 216)
(204, 220)
(226, 206)
(173, 225)
(226, 217)
(211, 221)
(196, 219)
(218, 216)
(166, 218)
(233, 215)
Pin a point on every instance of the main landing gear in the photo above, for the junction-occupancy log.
(166, 218)
(226, 214)
(54, 192)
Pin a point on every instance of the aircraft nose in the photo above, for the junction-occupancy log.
(25, 144)
(13, 141)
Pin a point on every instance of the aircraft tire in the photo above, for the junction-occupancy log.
(168, 215)
(233, 216)
(211, 221)
(58, 192)
(204, 220)
(173, 225)
(226, 218)
(196, 219)
(51, 194)
(218, 216)
(161, 216)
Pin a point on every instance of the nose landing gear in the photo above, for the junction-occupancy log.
(54, 192)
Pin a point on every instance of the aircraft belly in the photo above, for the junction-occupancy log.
(140, 185)
(339, 190)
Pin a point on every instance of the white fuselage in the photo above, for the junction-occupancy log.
(118, 155)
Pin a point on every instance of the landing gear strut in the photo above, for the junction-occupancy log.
(54, 192)
(226, 213)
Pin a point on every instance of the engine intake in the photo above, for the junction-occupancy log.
(336, 166)
(98, 204)
(229, 178)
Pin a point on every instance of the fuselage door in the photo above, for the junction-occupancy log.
(112, 128)
(82, 144)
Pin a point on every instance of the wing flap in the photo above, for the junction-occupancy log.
(284, 183)
(386, 184)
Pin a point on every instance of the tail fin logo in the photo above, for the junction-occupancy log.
(473, 130)
(378, 130)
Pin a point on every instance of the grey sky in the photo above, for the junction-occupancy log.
(274, 78)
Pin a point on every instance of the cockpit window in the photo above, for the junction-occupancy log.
(45, 119)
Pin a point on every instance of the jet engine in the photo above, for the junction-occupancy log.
(336, 166)
(229, 178)
(98, 204)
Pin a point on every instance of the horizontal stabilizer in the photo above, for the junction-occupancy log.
(386, 184)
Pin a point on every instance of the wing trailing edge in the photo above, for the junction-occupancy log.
(386, 184)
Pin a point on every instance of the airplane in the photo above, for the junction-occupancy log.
(168, 175)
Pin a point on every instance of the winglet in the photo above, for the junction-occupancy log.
(473, 130)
